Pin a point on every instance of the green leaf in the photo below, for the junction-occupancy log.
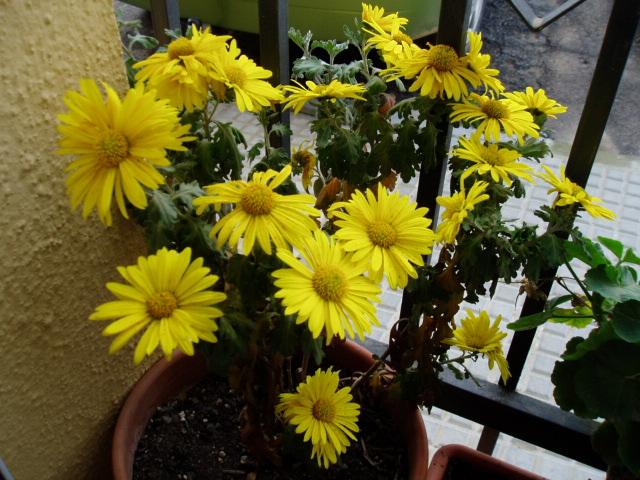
(309, 67)
(608, 380)
(626, 320)
(587, 251)
(564, 379)
(604, 441)
(530, 321)
(617, 283)
(628, 445)
(615, 246)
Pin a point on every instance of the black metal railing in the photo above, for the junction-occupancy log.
(496, 406)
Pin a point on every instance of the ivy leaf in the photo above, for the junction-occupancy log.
(587, 251)
(626, 320)
(530, 321)
(619, 283)
(628, 445)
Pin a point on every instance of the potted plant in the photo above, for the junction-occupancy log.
(253, 273)
(598, 375)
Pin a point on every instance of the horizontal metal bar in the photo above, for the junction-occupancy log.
(536, 23)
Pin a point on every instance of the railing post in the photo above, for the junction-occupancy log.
(274, 52)
(165, 15)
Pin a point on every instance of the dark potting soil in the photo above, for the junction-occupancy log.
(197, 437)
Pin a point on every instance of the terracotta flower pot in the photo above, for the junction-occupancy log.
(481, 462)
(167, 379)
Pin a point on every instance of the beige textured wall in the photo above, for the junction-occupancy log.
(59, 390)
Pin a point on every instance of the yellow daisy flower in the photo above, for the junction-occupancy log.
(303, 158)
(168, 294)
(182, 73)
(387, 231)
(261, 214)
(336, 89)
(500, 163)
(390, 40)
(438, 72)
(458, 207)
(329, 291)
(118, 143)
(480, 63)
(247, 79)
(327, 416)
(537, 103)
(375, 15)
(477, 334)
(495, 116)
(570, 193)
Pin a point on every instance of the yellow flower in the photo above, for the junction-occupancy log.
(570, 193)
(480, 63)
(458, 207)
(168, 295)
(491, 159)
(119, 142)
(375, 15)
(336, 89)
(537, 103)
(389, 38)
(329, 291)
(305, 159)
(495, 116)
(325, 415)
(182, 73)
(247, 79)
(388, 231)
(477, 334)
(261, 214)
(438, 72)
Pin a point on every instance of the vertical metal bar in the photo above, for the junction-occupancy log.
(452, 31)
(616, 45)
(165, 15)
(274, 52)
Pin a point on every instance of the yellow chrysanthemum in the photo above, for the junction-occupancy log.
(500, 163)
(537, 103)
(495, 116)
(329, 291)
(182, 73)
(327, 416)
(261, 214)
(336, 89)
(438, 72)
(389, 231)
(375, 15)
(477, 334)
(570, 193)
(303, 158)
(458, 207)
(480, 63)
(390, 39)
(168, 294)
(247, 79)
(118, 143)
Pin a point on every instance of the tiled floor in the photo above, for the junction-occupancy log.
(616, 180)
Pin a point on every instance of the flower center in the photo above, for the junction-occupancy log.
(443, 58)
(330, 283)
(112, 149)
(495, 109)
(162, 305)
(402, 37)
(258, 199)
(236, 76)
(382, 234)
(180, 48)
(324, 410)
(475, 341)
(492, 158)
